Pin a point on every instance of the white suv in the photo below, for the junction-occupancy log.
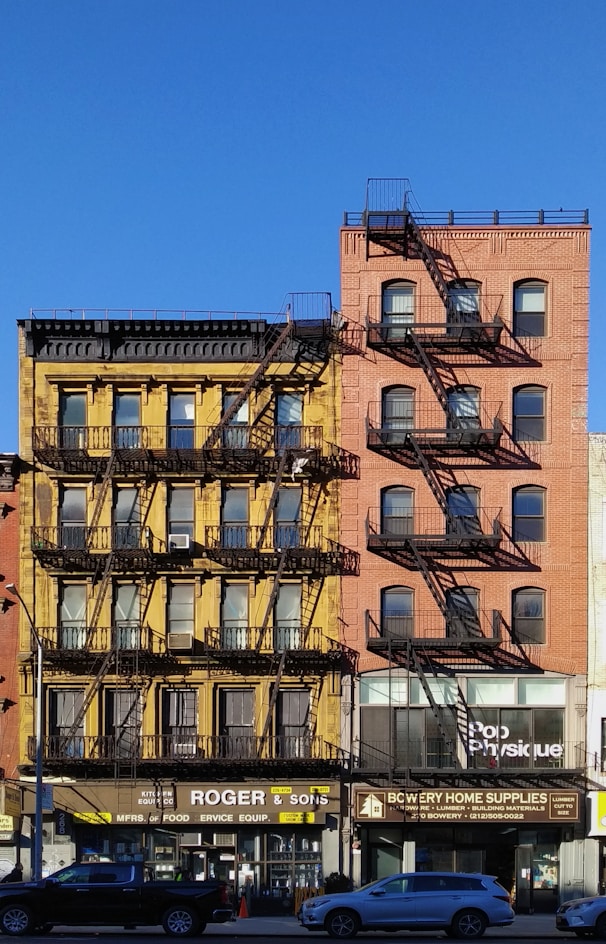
(461, 904)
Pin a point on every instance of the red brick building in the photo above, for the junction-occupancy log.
(467, 408)
(9, 616)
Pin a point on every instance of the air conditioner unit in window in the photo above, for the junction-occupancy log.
(182, 641)
(179, 542)
(224, 839)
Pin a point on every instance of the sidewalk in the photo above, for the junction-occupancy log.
(524, 926)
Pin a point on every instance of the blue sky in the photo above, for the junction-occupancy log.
(184, 154)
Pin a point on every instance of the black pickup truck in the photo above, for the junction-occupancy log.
(112, 893)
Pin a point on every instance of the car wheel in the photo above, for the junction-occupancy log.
(180, 921)
(600, 927)
(468, 924)
(16, 921)
(342, 923)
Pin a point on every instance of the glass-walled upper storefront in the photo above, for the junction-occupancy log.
(510, 722)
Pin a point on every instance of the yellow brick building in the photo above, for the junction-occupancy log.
(181, 565)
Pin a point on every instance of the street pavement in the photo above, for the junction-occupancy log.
(524, 926)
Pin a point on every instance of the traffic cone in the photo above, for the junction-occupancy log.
(243, 912)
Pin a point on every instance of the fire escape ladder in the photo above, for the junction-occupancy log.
(430, 476)
(429, 370)
(415, 239)
(271, 505)
(430, 579)
(93, 688)
(272, 597)
(438, 710)
(310, 603)
(100, 500)
(462, 719)
(272, 702)
(251, 384)
(100, 597)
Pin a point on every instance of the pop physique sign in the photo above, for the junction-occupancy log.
(215, 804)
(494, 740)
(455, 805)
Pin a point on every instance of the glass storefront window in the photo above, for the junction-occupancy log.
(381, 690)
(491, 691)
(516, 737)
(275, 864)
(542, 691)
(444, 691)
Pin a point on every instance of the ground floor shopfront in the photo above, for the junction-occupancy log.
(531, 839)
(268, 839)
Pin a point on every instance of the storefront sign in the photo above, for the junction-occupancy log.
(10, 800)
(597, 807)
(460, 805)
(495, 740)
(195, 804)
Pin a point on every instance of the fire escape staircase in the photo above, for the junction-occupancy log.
(110, 658)
(250, 385)
(424, 252)
(438, 710)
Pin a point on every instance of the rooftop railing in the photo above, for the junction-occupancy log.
(395, 219)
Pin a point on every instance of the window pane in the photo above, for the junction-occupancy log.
(528, 514)
(491, 691)
(127, 509)
(397, 612)
(127, 409)
(530, 298)
(73, 506)
(529, 311)
(542, 691)
(289, 409)
(181, 511)
(399, 300)
(235, 505)
(398, 408)
(127, 603)
(529, 414)
(375, 690)
(181, 608)
(463, 502)
(182, 409)
(444, 691)
(181, 412)
(235, 605)
(72, 409)
(240, 417)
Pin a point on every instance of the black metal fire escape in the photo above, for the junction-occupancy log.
(398, 232)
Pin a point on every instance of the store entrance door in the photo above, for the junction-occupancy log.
(524, 889)
(384, 860)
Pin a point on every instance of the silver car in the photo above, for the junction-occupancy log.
(461, 904)
(586, 917)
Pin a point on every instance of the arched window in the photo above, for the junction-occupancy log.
(397, 412)
(463, 505)
(397, 510)
(397, 612)
(529, 513)
(529, 414)
(464, 301)
(528, 615)
(529, 306)
(464, 407)
(463, 607)
(398, 307)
